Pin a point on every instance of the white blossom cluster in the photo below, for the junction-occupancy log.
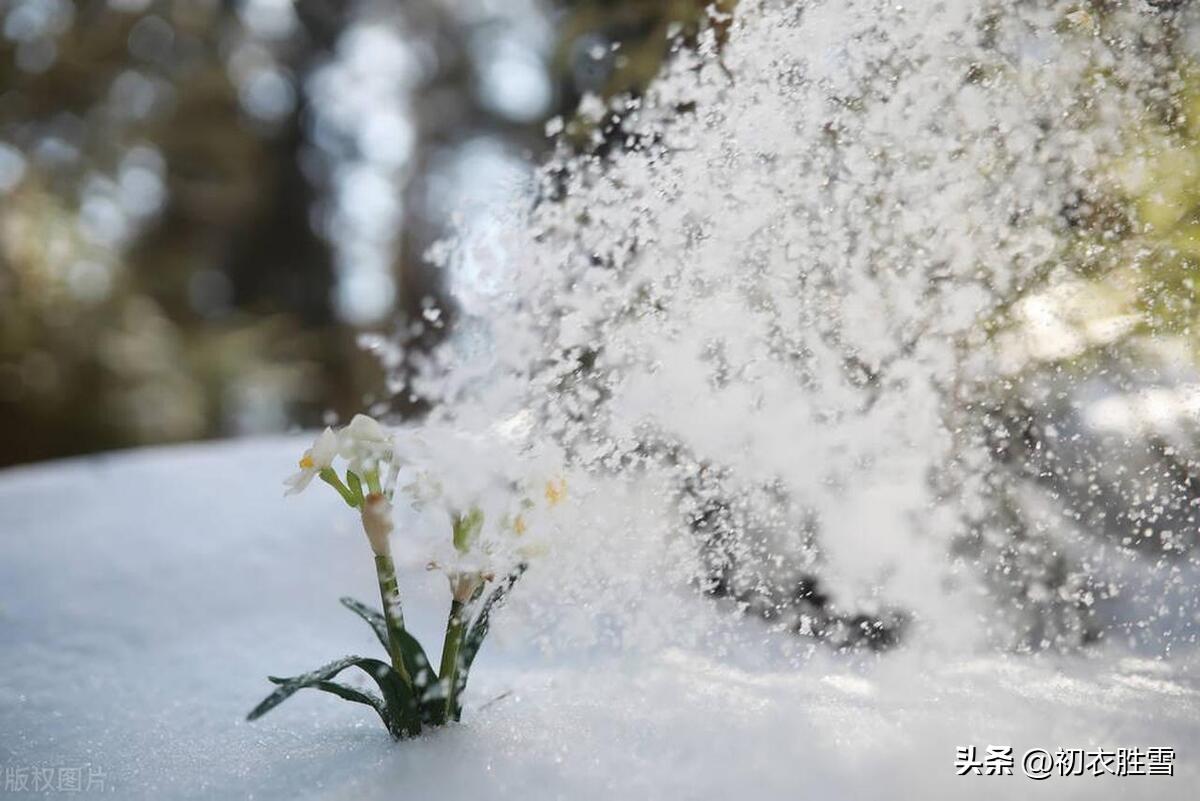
(477, 487)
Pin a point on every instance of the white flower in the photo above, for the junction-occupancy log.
(314, 460)
(365, 444)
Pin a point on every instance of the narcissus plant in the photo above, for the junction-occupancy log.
(412, 695)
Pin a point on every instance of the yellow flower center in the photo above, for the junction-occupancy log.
(306, 462)
(519, 525)
(556, 491)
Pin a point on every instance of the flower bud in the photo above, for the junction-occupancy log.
(463, 585)
(377, 522)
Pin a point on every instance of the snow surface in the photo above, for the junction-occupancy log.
(145, 596)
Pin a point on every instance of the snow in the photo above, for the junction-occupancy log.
(790, 288)
(144, 597)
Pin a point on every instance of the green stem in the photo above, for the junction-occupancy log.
(331, 478)
(455, 627)
(389, 593)
(373, 482)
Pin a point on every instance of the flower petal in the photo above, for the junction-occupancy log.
(325, 448)
(297, 482)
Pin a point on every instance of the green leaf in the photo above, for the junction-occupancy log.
(415, 660)
(479, 629)
(433, 704)
(404, 719)
(400, 707)
(373, 617)
(289, 686)
(347, 692)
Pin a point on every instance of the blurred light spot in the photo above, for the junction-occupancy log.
(267, 94)
(55, 151)
(134, 95)
(31, 20)
(23, 24)
(101, 219)
(36, 56)
(514, 84)
(377, 51)
(386, 137)
(363, 140)
(365, 297)
(151, 39)
(89, 281)
(140, 183)
(269, 19)
(368, 201)
(12, 167)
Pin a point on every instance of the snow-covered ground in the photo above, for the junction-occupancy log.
(145, 596)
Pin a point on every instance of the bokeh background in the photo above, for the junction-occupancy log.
(205, 205)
